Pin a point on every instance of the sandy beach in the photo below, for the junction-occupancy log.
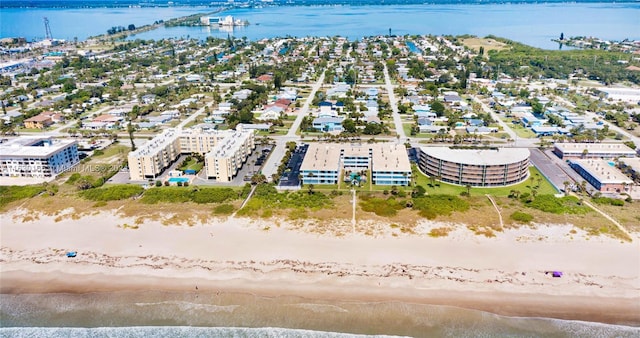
(506, 275)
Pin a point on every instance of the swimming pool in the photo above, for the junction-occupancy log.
(611, 163)
(178, 179)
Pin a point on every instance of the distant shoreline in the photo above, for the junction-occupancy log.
(71, 4)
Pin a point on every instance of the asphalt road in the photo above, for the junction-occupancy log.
(397, 120)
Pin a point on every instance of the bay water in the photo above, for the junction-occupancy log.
(532, 24)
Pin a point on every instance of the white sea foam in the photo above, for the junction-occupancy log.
(320, 308)
(169, 331)
(187, 306)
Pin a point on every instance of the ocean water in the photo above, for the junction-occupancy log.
(210, 314)
(533, 24)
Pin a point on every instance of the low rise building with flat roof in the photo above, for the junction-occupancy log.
(602, 174)
(148, 161)
(592, 150)
(389, 163)
(631, 166)
(475, 167)
(37, 157)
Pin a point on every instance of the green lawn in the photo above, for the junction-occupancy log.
(114, 149)
(451, 189)
(193, 165)
(520, 130)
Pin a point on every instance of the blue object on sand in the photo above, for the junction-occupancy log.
(71, 254)
(557, 274)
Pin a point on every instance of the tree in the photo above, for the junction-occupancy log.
(561, 36)
(349, 125)
(278, 80)
(481, 50)
(258, 179)
(130, 130)
(131, 27)
(438, 108)
(468, 186)
(310, 189)
(418, 191)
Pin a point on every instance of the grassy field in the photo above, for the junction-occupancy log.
(192, 165)
(628, 215)
(450, 189)
(519, 129)
(488, 44)
(12, 193)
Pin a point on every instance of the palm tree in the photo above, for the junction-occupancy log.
(583, 186)
(566, 185)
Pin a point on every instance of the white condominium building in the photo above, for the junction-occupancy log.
(37, 157)
(227, 157)
(150, 160)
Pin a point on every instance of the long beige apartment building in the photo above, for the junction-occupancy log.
(228, 149)
(592, 150)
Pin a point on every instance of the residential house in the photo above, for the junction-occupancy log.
(326, 107)
(43, 120)
(480, 130)
(272, 112)
(225, 106)
(242, 94)
(148, 98)
(328, 123)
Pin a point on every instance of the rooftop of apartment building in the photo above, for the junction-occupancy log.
(633, 162)
(496, 156)
(595, 147)
(390, 157)
(230, 144)
(384, 156)
(159, 142)
(33, 147)
(603, 171)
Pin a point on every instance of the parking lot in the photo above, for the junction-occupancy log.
(252, 166)
(290, 178)
(554, 169)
